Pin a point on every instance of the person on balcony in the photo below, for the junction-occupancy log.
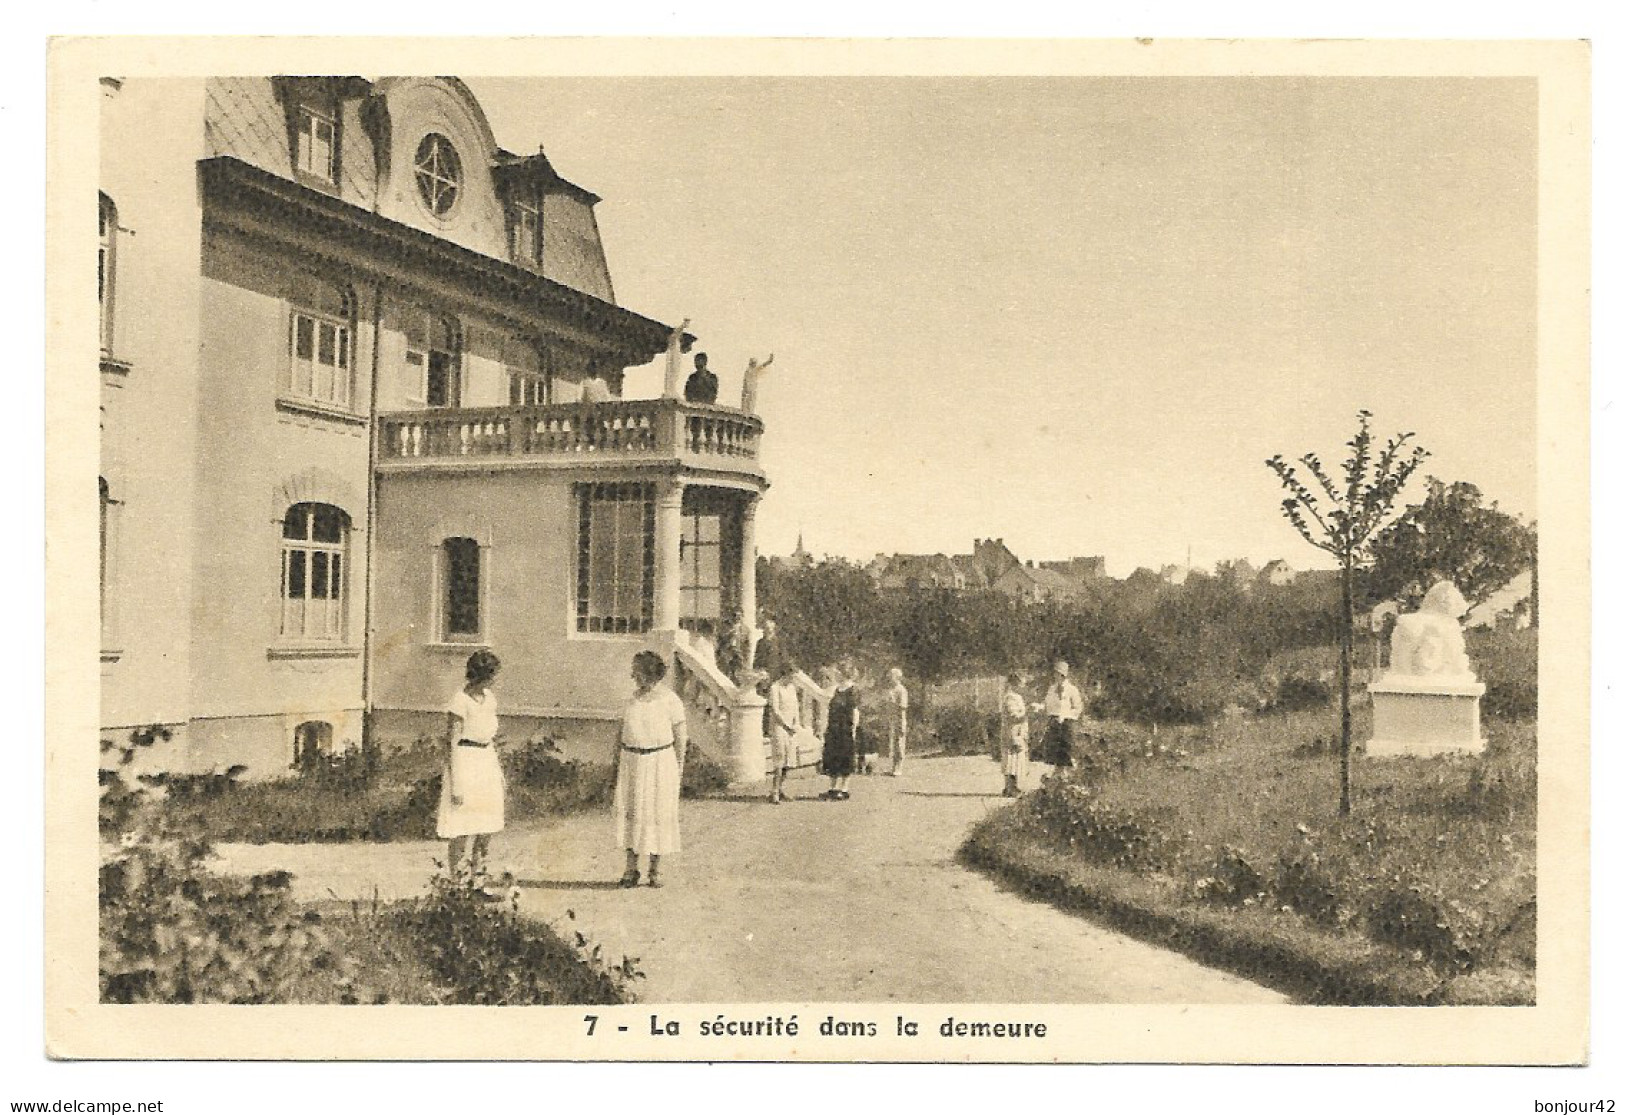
(702, 641)
(894, 723)
(784, 715)
(841, 733)
(471, 787)
(702, 385)
(649, 769)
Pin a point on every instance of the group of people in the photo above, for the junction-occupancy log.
(1061, 707)
(849, 746)
(651, 747)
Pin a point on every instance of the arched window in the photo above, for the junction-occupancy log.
(461, 613)
(314, 540)
(433, 358)
(107, 224)
(321, 342)
(311, 740)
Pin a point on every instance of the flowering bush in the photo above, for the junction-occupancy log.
(1067, 808)
(171, 932)
(1231, 881)
(491, 956)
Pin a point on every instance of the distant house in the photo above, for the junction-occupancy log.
(1078, 568)
(900, 572)
(1277, 572)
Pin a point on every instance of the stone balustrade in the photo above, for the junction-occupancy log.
(619, 430)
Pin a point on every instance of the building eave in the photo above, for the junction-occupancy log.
(233, 182)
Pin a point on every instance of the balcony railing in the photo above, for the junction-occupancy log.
(620, 430)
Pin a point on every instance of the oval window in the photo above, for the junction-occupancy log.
(440, 174)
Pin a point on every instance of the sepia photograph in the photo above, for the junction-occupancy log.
(814, 554)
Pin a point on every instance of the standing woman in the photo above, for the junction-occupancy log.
(841, 733)
(1013, 735)
(471, 788)
(649, 778)
(895, 706)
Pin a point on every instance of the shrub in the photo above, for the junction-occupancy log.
(491, 956)
(540, 780)
(1508, 663)
(1415, 914)
(1067, 809)
(961, 728)
(171, 932)
(1296, 692)
(1231, 880)
(702, 774)
(1302, 882)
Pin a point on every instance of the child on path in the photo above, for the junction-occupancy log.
(1013, 735)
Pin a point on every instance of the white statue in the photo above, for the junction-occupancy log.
(753, 378)
(1428, 643)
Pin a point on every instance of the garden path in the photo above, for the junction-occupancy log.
(810, 901)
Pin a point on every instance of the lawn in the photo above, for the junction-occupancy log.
(394, 796)
(1229, 835)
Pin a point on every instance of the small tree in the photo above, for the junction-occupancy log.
(1342, 521)
(1452, 535)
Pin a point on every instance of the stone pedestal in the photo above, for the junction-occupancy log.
(1433, 717)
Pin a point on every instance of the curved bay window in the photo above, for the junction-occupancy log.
(314, 538)
(615, 558)
(321, 345)
(708, 590)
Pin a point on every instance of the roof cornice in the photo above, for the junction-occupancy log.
(232, 181)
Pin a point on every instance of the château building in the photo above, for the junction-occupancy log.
(362, 413)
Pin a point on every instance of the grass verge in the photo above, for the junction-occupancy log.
(1230, 849)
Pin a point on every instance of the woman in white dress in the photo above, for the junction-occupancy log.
(471, 787)
(649, 778)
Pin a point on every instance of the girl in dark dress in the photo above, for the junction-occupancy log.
(841, 734)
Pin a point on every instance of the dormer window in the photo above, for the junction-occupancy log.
(439, 173)
(527, 230)
(316, 139)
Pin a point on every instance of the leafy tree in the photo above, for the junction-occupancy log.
(1452, 535)
(825, 612)
(1344, 526)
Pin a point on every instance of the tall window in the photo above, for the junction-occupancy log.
(107, 224)
(321, 342)
(529, 380)
(109, 507)
(314, 536)
(460, 611)
(615, 558)
(439, 173)
(433, 358)
(316, 135)
(311, 740)
(700, 591)
(525, 222)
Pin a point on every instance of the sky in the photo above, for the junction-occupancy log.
(1077, 314)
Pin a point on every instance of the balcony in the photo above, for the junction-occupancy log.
(660, 433)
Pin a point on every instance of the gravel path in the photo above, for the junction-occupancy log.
(810, 901)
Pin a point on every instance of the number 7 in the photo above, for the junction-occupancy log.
(592, 1023)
